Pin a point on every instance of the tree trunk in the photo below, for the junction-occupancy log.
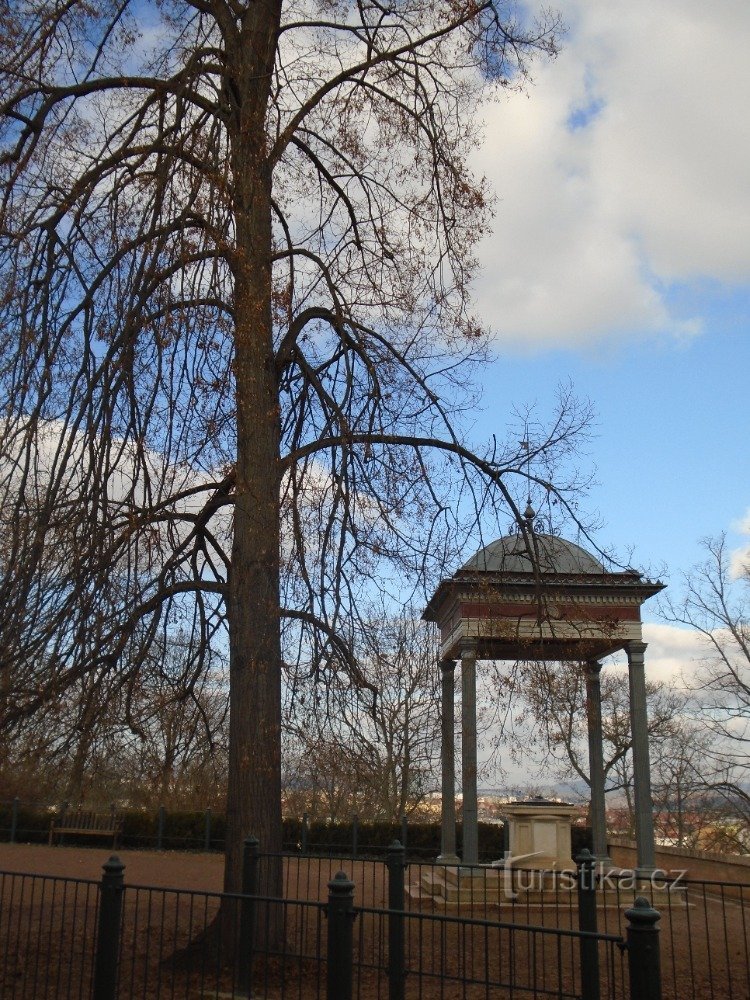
(254, 800)
(254, 792)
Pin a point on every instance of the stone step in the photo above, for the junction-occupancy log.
(478, 895)
(449, 886)
(489, 886)
(475, 877)
(415, 891)
(432, 883)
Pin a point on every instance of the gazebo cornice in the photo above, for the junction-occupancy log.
(495, 583)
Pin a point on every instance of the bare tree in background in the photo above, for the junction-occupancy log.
(177, 750)
(380, 758)
(715, 603)
(236, 243)
(161, 742)
(688, 812)
(545, 705)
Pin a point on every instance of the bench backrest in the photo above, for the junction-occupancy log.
(87, 820)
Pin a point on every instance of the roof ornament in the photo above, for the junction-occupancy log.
(529, 521)
(529, 515)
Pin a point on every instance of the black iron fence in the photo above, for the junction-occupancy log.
(66, 938)
(704, 925)
(486, 932)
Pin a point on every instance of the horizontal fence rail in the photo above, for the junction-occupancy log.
(459, 956)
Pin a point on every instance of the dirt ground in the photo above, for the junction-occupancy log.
(166, 869)
(705, 941)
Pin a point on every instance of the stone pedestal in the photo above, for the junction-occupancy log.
(539, 834)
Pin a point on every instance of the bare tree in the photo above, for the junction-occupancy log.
(547, 723)
(688, 812)
(176, 753)
(376, 758)
(235, 257)
(714, 603)
(161, 742)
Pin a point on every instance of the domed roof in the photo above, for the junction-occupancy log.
(554, 555)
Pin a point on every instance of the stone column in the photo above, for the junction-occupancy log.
(469, 752)
(596, 761)
(448, 762)
(644, 814)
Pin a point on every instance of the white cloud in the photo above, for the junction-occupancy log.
(623, 170)
(671, 655)
(53, 465)
(739, 560)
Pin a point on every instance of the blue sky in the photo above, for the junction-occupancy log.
(620, 259)
(670, 441)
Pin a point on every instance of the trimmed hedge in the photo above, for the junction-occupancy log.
(181, 830)
(32, 823)
(186, 831)
(422, 839)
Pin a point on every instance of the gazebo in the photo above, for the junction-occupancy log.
(535, 596)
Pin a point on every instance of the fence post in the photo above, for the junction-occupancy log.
(250, 847)
(340, 934)
(108, 930)
(207, 832)
(113, 821)
(355, 834)
(160, 828)
(643, 951)
(396, 961)
(305, 821)
(589, 947)
(63, 814)
(14, 820)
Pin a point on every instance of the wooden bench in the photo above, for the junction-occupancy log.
(86, 823)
